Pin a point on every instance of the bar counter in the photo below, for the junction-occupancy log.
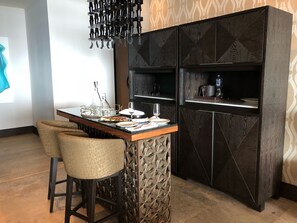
(147, 174)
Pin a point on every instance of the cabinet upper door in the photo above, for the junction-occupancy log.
(237, 38)
(139, 55)
(163, 48)
(240, 38)
(154, 49)
(197, 43)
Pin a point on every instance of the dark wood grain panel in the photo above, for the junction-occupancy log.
(195, 150)
(271, 158)
(156, 49)
(139, 51)
(235, 155)
(275, 84)
(121, 73)
(240, 38)
(277, 57)
(163, 48)
(197, 43)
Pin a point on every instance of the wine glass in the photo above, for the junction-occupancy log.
(131, 109)
(156, 110)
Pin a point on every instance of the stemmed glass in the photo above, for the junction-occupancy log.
(131, 109)
(156, 110)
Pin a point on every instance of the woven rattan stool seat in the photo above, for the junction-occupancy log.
(91, 160)
(47, 130)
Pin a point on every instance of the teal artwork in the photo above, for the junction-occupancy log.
(3, 77)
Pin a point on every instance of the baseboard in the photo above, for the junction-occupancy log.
(18, 131)
(289, 191)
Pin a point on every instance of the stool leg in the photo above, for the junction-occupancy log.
(53, 183)
(69, 188)
(91, 200)
(50, 179)
(120, 196)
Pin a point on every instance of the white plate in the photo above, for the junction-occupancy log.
(140, 120)
(160, 121)
(126, 124)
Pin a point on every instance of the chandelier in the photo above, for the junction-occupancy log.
(113, 19)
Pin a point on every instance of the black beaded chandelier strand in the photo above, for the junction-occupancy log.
(113, 19)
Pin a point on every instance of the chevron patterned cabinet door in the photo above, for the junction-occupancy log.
(154, 49)
(240, 38)
(195, 151)
(197, 43)
(235, 155)
(139, 51)
(163, 48)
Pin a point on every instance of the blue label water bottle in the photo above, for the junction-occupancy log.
(219, 86)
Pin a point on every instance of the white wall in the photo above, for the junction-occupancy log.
(19, 112)
(63, 67)
(74, 65)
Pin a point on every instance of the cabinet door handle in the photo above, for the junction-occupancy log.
(224, 113)
(215, 63)
(128, 82)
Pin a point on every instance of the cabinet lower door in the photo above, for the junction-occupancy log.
(195, 145)
(235, 155)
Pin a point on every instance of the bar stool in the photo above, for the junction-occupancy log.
(47, 130)
(91, 160)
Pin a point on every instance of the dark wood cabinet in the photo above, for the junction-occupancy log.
(233, 144)
(252, 50)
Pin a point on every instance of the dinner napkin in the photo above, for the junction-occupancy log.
(143, 127)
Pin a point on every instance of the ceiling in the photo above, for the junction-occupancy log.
(16, 3)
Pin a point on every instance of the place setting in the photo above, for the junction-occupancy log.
(138, 123)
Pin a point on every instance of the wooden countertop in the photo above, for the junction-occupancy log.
(73, 114)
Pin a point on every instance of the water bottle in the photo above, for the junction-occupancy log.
(219, 86)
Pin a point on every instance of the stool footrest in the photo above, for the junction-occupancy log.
(105, 200)
(61, 181)
(59, 194)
